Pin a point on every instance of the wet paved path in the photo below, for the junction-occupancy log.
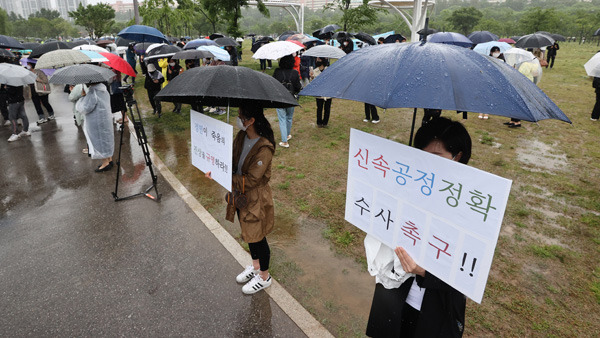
(75, 263)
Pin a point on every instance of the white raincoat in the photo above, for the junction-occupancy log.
(383, 263)
(95, 105)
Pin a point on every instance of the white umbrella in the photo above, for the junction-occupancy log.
(14, 75)
(93, 48)
(276, 50)
(61, 58)
(154, 45)
(515, 56)
(325, 51)
(592, 67)
(219, 53)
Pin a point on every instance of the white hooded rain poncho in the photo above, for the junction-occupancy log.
(95, 105)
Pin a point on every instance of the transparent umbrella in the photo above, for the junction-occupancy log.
(14, 75)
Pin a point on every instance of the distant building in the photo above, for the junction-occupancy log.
(25, 8)
(124, 6)
(66, 6)
(12, 6)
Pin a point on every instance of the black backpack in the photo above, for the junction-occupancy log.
(287, 83)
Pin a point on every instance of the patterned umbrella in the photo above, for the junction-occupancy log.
(85, 74)
(47, 47)
(61, 58)
(14, 75)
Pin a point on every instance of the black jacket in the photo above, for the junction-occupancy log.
(442, 310)
(596, 84)
(150, 85)
(14, 94)
(174, 71)
(290, 75)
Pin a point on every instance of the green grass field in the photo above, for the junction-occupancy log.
(545, 278)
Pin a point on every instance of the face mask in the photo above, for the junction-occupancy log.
(495, 55)
(240, 124)
(28, 67)
(172, 64)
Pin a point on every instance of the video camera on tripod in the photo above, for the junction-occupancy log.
(128, 93)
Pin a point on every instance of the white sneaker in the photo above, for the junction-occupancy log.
(206, 109)
(375, 121)
(34, 128)
(256, 284)
(42, 120)
(246, 275)
(24, 133)
(289, 137)
(285, 145)
(13, 138)
(20, 122)
(212, 110)
(51, 117)
(7, 123)
(593, 119)
(365, 120)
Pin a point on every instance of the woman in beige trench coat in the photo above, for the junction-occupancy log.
(253, 150)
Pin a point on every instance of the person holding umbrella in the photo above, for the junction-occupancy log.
(291, 81)
(153, 85)
(410, 301)
(40, 91)
(173, 69)
(596, 110)
(322, 102)
(16, 110)
(253, 149)
(132, 60)
(551, 54)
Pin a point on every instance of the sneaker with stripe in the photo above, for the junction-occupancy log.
(256, 284)
(246, 275)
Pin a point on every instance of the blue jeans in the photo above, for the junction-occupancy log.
(285, 121)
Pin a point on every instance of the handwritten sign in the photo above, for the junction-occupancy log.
(445, 214)
(212, 147)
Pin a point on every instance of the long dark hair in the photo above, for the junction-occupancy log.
(261, 124)
(452, 134)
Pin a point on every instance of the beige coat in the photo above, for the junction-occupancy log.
(258, 217)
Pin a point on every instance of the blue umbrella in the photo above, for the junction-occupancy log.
(436, 76)
(141, 33)
(199, 42)
(482, 36)
(484, 48)
(450, 38)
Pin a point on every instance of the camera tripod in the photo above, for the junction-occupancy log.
(142, 142)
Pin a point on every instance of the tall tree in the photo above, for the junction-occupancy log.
(354, 18)
(4, 22)
(232, 12)
(96, 19)
(464, 19)
(46, 14)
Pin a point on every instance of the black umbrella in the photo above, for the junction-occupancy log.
(215, 36)
(482, 36)
(427, 31)
(30, 45)
(10, 42)
(257, 45)
(534, 41)
(142, 46)
(364, 37)
(192, 54)
(163, 51)
(251, 34)
(516, 37)
(341, 35)
(312, 43)
(227, 86)
(6, 53)
(393, 37)
(47, 47)
(285, 35)
(80, 43)
(226, 41)
(84, 73)
(556, 37)
(122, 42)
(327, 31)
(265, 39)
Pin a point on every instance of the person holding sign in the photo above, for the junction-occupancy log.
(253, 150)
(422, 305)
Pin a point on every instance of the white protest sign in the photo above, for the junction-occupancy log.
(212, 147)
(445, 214)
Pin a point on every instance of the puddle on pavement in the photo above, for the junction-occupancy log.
(541, 156)
(326, 279)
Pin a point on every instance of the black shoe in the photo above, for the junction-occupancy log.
(514, 125)
(107, 168)
(508, 123)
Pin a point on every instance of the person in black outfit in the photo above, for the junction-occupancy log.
(153, 84)
(289, 77)
(233, 55)
(371, 113)
(347, 46)
(596, 111)
(16, 110)
(4, 105)
(551, 54)
(40, 99)
(424, 305)
(173, 69)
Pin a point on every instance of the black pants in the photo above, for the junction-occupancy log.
(262, 252)
(464, 113)
(596, 111)
(550, 60)
(38, 101)
(322, 103)
(177, 107)
(371, 112)
(152, 98)
(263, 64)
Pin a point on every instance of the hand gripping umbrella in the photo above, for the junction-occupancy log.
(14, 75)
(141, 33)
(85, 74)
(227, 86)
(436, 76)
